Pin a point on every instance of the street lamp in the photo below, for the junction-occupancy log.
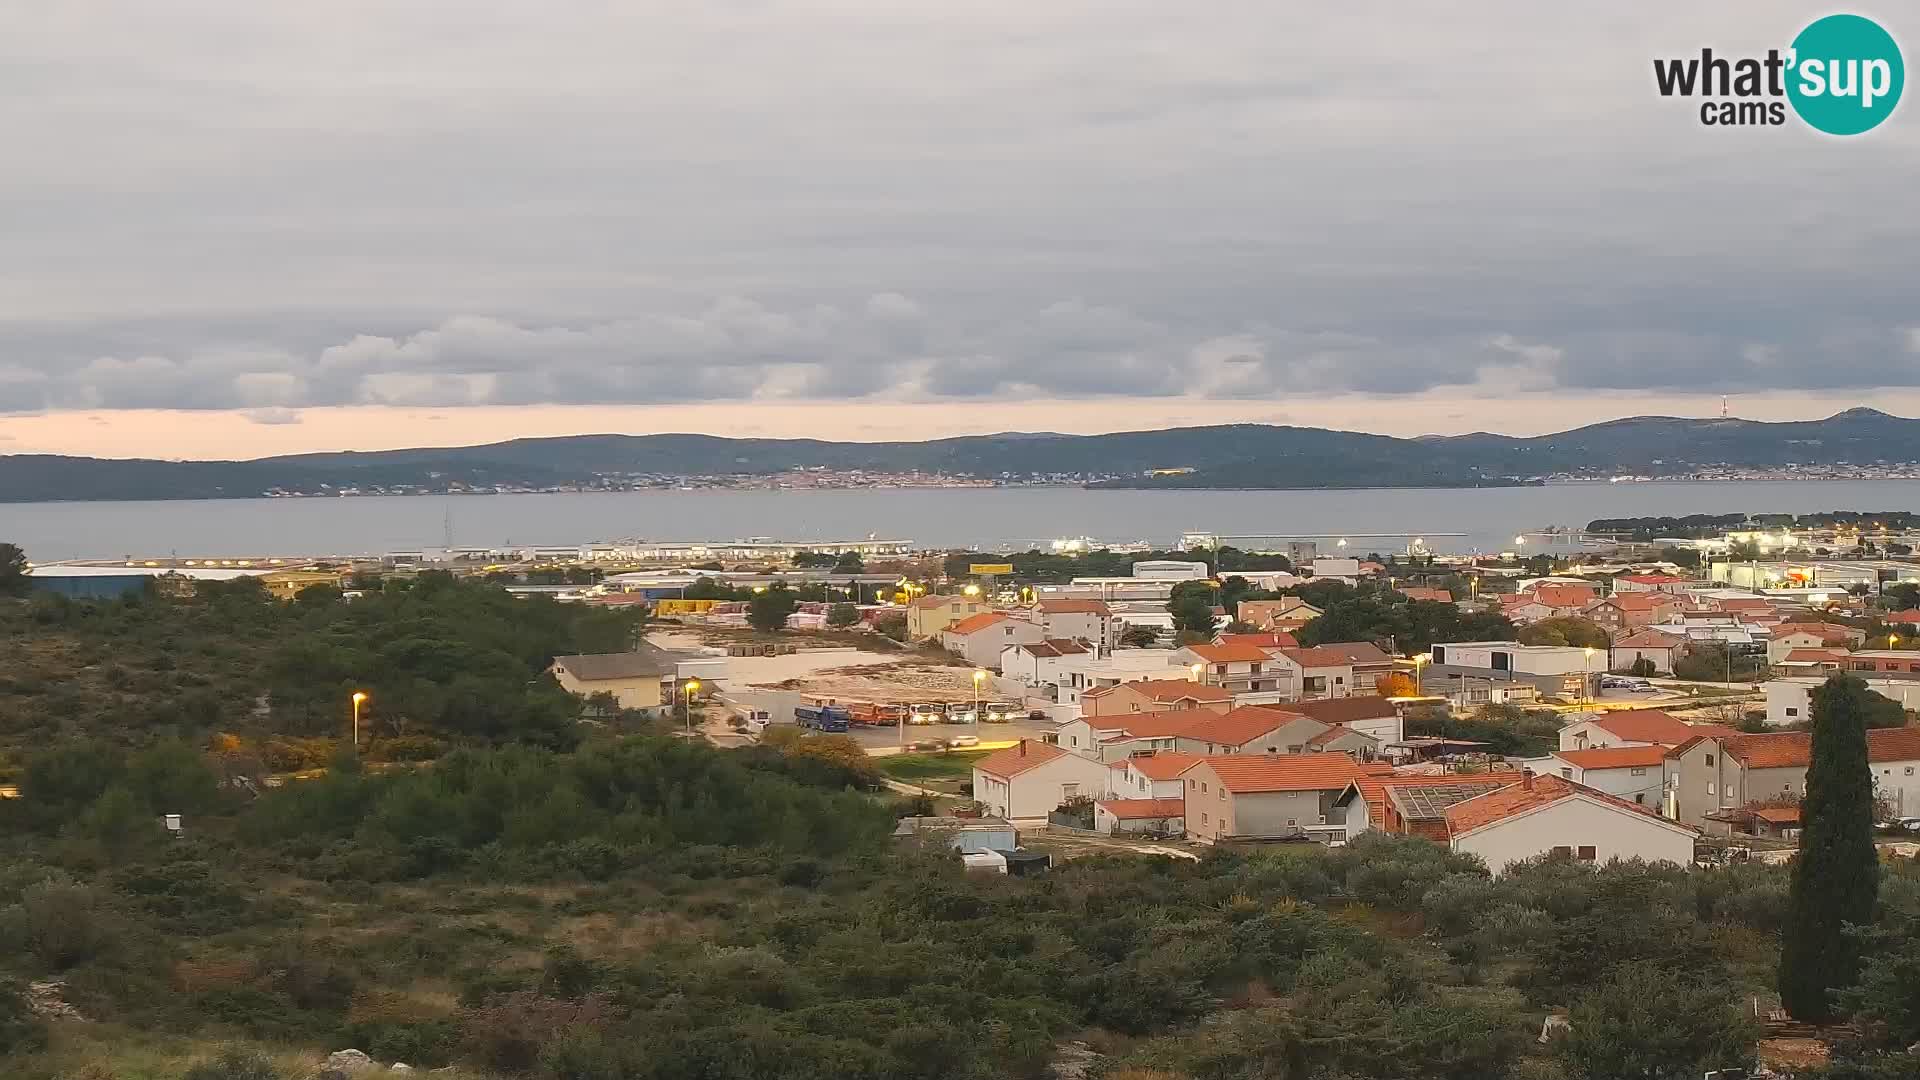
(979, 676)
(1197, 669)
(359, 698)
(1586, 675)
(971, 590)
(687, 690)
(1420, 661)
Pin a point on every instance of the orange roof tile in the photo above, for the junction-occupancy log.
(1144, 809)
(1813, 656)
(1649, 639)
(1166, 690)
(1054, 647)
(1778, 815)
(1251, 774)
(1440, 596)
(1373, 786)
(1564, 596)
(1073, 607)
(1614, 757)
(1229, 654)
(1014, 760)
(1150, 725)
(1237, 727)
(1540, 791)
(1648, 726)
(1161, 765)
(1904, 617)
(974, 623)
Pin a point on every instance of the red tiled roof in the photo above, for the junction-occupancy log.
(1440, 596)
(1904, 617)
(1229, 654)
(974, 623)
(1151, 725)
(1778, 815)
(1514, 799)
(1794, 749)
(1236, 727)
(1014, 760)
(1647, 726)
(1564, 596)
(1744, 603)
(1813, 656)
(1073, 607)
(1343, 710)
(1336, 733)
(1614, 757)
(1166, 690)
(1161, 765)
(1271, 640)
(1144, 809)
(1257, 773)
(1640, 601)
(1373, 786)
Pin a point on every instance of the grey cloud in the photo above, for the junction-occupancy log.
(576, 202)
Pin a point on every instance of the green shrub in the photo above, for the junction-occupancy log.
(20, 1030)
(234, 1064)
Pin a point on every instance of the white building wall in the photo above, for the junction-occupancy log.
(1036, 792)
(1644, 788)
(1898, 782)
(1789, 701)
(1614, 833)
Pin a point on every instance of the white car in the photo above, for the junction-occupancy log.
(963, 740)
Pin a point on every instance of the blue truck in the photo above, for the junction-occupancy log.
(822, 717)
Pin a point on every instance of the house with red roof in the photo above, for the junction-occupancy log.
(1565, 599)
(1044, 663)
(1633, 727)
(1031, 779)
(1525, 609)
(1657, 647)
(1551, 815)
(1637, 774)
(1153, 695)
(1335, 669)
(1666, 583)
(1238, 669)
(1623, 612)
(1788, 636)
(980, 639)
(929, 615)
(1413, 804)
(1369, 714)
(1155, 817)
(1151, 775)
(1091, 621)
(1267, 797)
(1909, 617)
(1721, 772)
(1438, 596)
(1265, 639)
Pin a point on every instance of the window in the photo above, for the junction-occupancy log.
(1568, 773)
(1588, 854)
(1223, 794)
(1073, 740)
(1909, 770)
(1710, 787)
(1641, 798)
(1293, 749)
(1203, 817)
(1069, 791)
(1709, 760)
(1562, 849)
(1637, 772)
(1203, 788)
(1791, 711)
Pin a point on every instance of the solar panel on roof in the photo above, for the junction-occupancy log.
(1428, 802)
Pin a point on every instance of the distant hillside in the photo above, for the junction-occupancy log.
(1228, 456)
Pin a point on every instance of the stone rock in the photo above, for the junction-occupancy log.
(349, 1061)
(47, 1000)
(399, 1066)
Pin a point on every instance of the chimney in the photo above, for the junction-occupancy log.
(1526, 779)
(1023, 748)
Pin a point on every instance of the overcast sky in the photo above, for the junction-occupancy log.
(381, 224)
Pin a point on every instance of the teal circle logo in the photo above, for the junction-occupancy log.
(1845, 75)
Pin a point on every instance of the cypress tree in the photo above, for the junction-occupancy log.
(1836, 876)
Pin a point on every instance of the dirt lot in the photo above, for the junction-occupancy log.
(839, 671)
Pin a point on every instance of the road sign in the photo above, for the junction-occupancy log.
(996, 568)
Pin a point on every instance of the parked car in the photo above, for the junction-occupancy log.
(925, 745)
(1908, 824)
(923, 713)
(959, 741)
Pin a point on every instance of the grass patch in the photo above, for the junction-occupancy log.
(912, 768)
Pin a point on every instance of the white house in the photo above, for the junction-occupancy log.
(1240, 669)
(980, 639)
(1657, 647)
(1163, 817)
(1030, 779)
(1149, 776)
(1544, 815)
(1637, 774)
(1044, 663)
(1090, 621)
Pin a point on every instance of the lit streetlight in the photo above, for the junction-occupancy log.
(687, 690)
(979, 676)
(1197, 669)
(1420, 661)
(358, 699)
(971, 590)
(1586, 675)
